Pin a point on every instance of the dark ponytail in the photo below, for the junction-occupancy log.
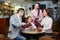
(38, 9)
(38, 12)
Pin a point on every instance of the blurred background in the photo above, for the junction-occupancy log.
(9, 7)
(28, 5)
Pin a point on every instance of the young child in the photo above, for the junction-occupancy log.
(30, 23)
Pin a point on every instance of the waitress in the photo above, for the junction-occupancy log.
(36, 13)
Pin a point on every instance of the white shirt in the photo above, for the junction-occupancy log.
(33, 25)
(16, 21)
(20, 19)
(47, 24)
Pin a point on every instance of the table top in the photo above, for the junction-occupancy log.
(32, 32)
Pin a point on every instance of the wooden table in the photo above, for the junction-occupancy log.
(32, 34)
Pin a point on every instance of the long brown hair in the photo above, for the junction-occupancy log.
(48, 12)
(38, 9)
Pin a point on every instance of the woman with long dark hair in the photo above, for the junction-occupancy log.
(47, 21)
(36, 13)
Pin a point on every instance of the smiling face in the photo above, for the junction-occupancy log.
(21, 13)
(44, 12)
(29, 19)
(36, 6)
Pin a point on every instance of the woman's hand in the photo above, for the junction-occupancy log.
(39, 29)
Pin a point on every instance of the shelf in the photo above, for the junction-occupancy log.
(6, 9)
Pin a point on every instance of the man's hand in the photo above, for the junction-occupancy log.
(22, 29)
(9, 31)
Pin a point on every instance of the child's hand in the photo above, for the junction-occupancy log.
(24, 23)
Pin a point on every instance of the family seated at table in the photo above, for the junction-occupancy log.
(35, 21)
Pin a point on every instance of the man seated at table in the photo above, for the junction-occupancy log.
(15, 25)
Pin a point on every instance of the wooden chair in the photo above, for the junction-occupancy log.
(46, 37)
(56, 35)
(2, 37)
(8, 39)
